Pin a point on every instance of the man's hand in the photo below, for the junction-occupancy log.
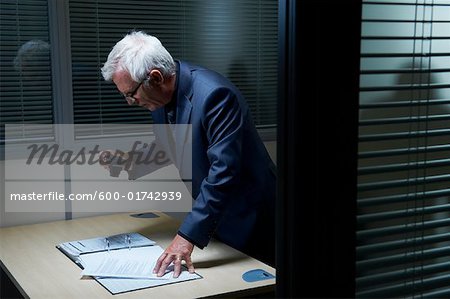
(114, 162)
(180, 249)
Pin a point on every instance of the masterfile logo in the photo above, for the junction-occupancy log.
(118, 169)
(140, 153)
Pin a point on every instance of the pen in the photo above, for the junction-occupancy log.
(128, 239)
(107, 244)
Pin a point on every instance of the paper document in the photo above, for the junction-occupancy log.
(124, 263)
(121, 285)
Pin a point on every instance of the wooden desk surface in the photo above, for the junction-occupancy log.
(41, 271)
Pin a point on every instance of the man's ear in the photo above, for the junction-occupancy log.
(156, 77)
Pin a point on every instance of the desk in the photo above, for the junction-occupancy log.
(40, 270)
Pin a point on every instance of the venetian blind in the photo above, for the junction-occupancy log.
(236, 38)
(404, 148)
(25, 71)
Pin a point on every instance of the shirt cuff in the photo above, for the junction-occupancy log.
(189, 239)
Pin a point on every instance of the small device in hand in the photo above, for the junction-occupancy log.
(116, 163)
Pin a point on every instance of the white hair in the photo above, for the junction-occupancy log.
(138, 53)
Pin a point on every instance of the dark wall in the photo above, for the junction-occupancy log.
(317, 148)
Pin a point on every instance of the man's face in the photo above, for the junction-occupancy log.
(149, 96)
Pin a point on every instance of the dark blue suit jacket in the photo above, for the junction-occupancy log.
(233, 177)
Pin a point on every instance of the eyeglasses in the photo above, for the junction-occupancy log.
(130, 97)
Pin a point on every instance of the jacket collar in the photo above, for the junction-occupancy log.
(183, 97)
(184, 93)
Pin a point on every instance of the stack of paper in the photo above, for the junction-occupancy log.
(124, 270)
(122, 262)
(136, 263)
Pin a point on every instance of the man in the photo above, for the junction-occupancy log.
(233, 179)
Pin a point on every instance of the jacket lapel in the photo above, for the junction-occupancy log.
(180, 136)
(183, 136)
(184, 95)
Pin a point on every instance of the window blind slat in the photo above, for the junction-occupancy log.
(412, 103)
(403, 166)
(404, 151)
(403, 182)
(405, 87)
(401, 258)
(365, 235)
(378, 200)
(404, 135)
(407, 273)
(401, 120)
(402, 288)
(442, 293)
(401, 244)
(412, 211)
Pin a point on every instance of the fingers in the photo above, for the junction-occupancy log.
(164, 264)
(180, 249)
(105, 158)
(190, 264)
(159, 262)
(177, 267)
(166, 259)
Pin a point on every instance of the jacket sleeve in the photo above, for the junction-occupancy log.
(223, 126)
